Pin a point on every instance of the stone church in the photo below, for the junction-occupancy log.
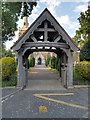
(40, 57)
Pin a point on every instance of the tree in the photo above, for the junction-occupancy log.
(10, 14)
(85, 52)
(27, 8)
(82, 36)
(83, 33)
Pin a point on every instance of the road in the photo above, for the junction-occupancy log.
(60, 103)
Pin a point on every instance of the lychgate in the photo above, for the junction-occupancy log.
(45, 34)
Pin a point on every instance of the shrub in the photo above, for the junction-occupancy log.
(57, 62)
(82, 70)
(47, 63)
(8, 67)
(53, 62)
(32, 62)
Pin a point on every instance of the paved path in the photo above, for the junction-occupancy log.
(43, 78)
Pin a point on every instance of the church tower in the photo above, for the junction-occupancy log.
(24, 27)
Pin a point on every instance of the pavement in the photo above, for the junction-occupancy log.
(43, 78)
(59, 103)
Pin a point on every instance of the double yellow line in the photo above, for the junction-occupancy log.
(43, 96)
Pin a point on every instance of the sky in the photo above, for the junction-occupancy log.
(66, 13)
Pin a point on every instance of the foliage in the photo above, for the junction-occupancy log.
(6, 53)
(83, 33)
(8, 65)
(47, 62)
(53, 62)
(11, 12)
(27, 8)
(82, 37)
(11, 82)
(85, 52)
(57, 66)
(82, 71)
(32, 62)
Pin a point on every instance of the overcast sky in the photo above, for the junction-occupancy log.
(66, 13)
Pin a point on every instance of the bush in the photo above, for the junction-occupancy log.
(32, 62)
(53, 62)
(8, 67)
(57, 66)
(12, 81)
(47, 63)
(82, 70)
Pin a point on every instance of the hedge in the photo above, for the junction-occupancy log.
(32, 62)
(53, 62)
(8, 67)
(47, 63)
(82, 70)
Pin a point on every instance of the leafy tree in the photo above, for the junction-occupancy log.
(10, 15)
(6, 53)
(85, 52)
(82, 36)
(27, 8)
(83, 33)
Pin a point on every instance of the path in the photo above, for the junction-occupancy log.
(43, 78)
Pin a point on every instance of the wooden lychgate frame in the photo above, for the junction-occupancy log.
(45, 34)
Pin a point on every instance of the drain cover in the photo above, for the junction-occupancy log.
(42, 108)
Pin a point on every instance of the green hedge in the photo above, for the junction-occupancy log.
(32, 62)
(82, 71)
(8, 67)
(47, 63)
(53, 62)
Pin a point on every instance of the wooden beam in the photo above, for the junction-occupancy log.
(33, 38)
(45, 32)
(46, 44)
(57, 39)
(48, 29)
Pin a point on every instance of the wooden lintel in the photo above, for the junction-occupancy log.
(45, 44)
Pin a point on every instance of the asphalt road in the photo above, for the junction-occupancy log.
(25, 104)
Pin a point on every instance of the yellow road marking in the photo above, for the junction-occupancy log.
(59, 101)
(56, 94)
